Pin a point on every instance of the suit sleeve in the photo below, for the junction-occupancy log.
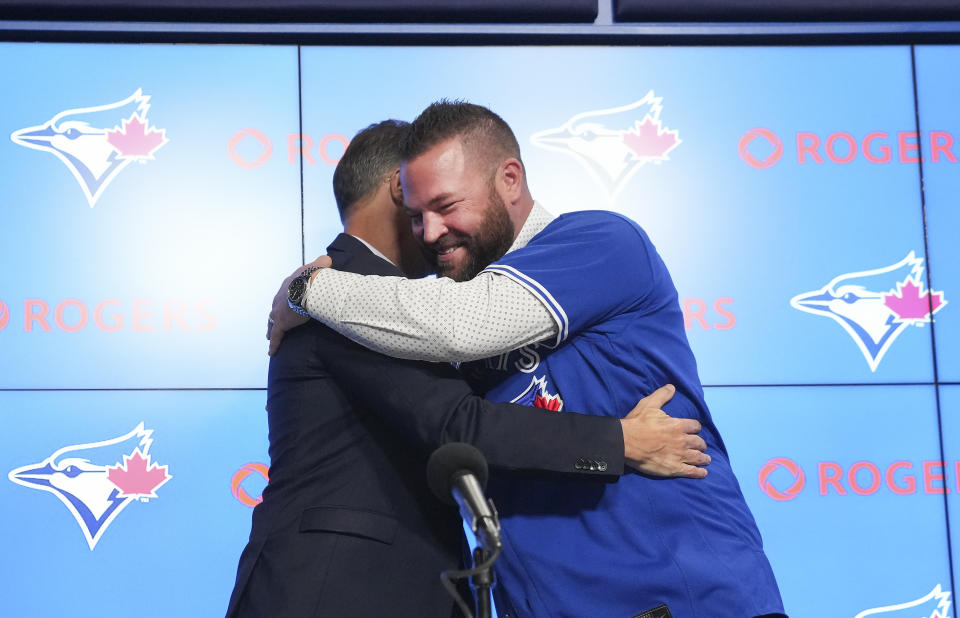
(431, 404)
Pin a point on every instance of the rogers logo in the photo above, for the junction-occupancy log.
(240, 475)
(775, 143)
(790, 466)
(112, 315)
(841, 147)
(265, 144)
(695, 313)
(862, 478)
(328, 149)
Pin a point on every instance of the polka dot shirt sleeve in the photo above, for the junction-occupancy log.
(430, 319)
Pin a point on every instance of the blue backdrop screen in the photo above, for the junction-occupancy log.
(803, 199)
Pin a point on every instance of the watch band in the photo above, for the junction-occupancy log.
(297, 290)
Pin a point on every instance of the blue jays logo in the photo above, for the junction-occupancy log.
(538, 396)
(936, 604)
(97, 143)
(97, 481)
(875, 306)
(612, 144)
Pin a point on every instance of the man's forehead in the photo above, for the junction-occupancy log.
(445, 157)
(438, 170)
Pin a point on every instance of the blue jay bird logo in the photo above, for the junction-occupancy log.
(91, 481)
(538, 395)
(97, 143)
(875, 306)
(935, 604)
(612, 144)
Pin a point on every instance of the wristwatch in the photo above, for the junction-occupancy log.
(298, 289)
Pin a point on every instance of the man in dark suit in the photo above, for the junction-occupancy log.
(347, 526)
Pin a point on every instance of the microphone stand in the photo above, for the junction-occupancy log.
(482, 581)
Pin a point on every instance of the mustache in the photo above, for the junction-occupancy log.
(444, 243)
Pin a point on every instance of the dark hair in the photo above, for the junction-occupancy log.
(373, 154)
(483, 134)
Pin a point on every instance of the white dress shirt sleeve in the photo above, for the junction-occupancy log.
(430, 319)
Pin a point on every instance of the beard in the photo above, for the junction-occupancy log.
(488, 245)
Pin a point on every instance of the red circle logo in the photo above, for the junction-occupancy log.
(239, 492)
(243, 134)
(4, 315)
(767, 135)
(790, 466)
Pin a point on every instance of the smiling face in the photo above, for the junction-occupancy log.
(455, 210)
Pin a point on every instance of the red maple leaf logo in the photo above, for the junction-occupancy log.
(137, 477)
(548, 402)
(910, 304)
(136, 140)
(648, 139)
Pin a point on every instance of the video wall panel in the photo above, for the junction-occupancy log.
(126, 499)
(781, 185)
(146, 213)
(848, 493)
(950, 418)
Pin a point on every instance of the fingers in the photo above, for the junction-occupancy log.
(654, 401)
(659, 397)
(696, 443)
(696, 457)
(694, 469)
(691, 472)
(693, 464)
(662, 446)
(688, 425)
(323, 261)
(276, 336)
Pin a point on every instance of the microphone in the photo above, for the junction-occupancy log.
(457, 472)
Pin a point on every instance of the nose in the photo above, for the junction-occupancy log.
(433, 227)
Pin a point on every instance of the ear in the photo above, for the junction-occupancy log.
(511, 179)
(396, 190)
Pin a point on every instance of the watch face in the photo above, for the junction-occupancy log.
(296, 290)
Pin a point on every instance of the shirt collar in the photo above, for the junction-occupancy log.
(373, 249)
(538, 219)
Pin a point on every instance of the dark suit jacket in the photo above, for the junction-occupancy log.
(347, 526)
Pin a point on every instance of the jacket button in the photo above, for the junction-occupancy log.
(603, 466)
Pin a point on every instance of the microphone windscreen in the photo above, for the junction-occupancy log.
(447, 461)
